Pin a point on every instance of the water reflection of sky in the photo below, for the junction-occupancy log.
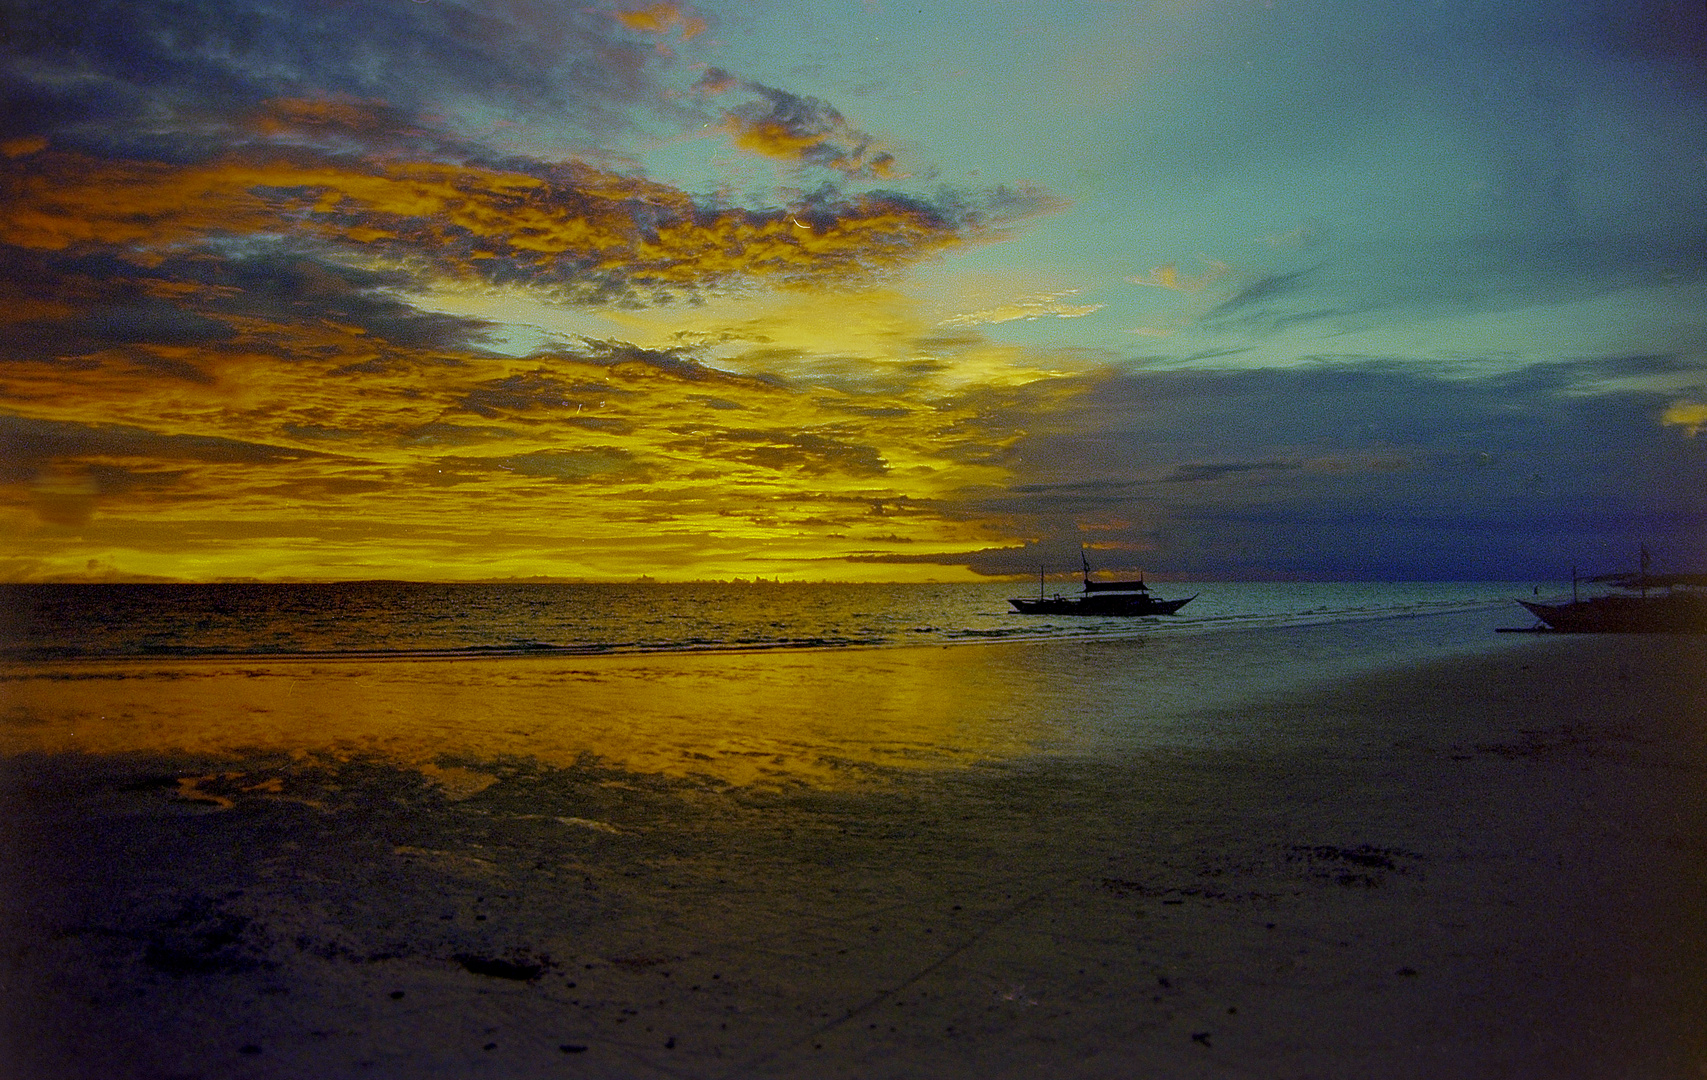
(822, 717)
(819, 717)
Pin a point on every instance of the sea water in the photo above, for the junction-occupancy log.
(747, 683)
(378, 619)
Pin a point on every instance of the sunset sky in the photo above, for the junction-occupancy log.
(454, 289)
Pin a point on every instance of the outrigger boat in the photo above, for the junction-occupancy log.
(1680, 608)
(1098, 598)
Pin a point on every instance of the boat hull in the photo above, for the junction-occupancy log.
(1670, 614)
(1095, 604)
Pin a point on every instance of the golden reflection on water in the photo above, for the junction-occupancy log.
(821, 717)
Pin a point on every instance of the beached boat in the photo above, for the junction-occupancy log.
(1648, 604)
(1098, 598)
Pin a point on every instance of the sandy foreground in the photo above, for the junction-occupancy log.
(1487, 868)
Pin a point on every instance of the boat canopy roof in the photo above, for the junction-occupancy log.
(1116, 586)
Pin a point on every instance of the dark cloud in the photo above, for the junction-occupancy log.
(720, 404)
(1090, 488)
(604, 463)
(405, 133)
(103, 326)
(443, 434)
(801, 129)
(116, 480)
(149, 76)
(95, 302)
(870, 412)
(154, 322)
(27, 439)
(1375, 468)
(809, 452)
(276, 283)
(597, 374)
(1261, 291)
(1199, 473)
(1635, 367)
(536, 390)
(1057, 555)
(1518, 541)
(623, 358)
(172, 367)
(66, 468)
(373, 366)
(531, 390)
(333, 488)
(88, 305)
(314, 432)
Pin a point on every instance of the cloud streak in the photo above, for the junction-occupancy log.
(1029, 307)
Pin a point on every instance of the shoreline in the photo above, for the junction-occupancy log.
(1488, 866)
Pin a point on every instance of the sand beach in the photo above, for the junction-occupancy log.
(898, 863)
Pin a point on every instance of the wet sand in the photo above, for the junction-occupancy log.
(1485, 868)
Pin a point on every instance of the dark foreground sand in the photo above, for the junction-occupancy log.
(1494, 868)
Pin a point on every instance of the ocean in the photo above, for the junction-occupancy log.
(744, 683)
(404, 620)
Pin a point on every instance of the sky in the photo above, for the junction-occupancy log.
(474, 289)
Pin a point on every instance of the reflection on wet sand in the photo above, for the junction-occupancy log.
(826, 718)
(410, 870)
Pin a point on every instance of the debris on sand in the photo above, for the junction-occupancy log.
(525, 970)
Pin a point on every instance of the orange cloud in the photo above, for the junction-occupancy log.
(19, 147)
(789, 127)
(557, 227)
(662, 18)
(367, 127)
(825, 148)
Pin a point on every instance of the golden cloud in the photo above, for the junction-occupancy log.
(314, 448)
(662, 18)
(827, 148)
(1028, 307)
(557, 227)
